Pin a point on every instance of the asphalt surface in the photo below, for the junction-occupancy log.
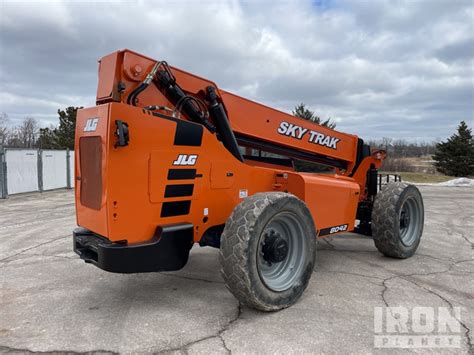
(51, 301)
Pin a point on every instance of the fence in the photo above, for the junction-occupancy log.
(28, 170)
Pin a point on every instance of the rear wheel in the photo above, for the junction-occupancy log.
(397, 220)
(267, 250)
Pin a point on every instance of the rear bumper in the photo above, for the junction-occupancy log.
(167, 251)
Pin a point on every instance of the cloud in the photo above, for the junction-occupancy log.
(401, 69)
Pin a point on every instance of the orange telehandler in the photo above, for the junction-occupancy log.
(166, 159)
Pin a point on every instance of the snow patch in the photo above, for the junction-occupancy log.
(458, 182)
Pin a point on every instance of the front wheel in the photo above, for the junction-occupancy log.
(397, 220)
(268, 250)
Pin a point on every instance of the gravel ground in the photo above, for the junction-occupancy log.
(51, 301)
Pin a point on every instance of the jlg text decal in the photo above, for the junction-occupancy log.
(294, 131)
(184, 159)
(91, 124)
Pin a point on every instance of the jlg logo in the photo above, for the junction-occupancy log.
(184, 159)
(91, 124)
(341, 228)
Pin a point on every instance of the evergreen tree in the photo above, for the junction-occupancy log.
(65, 132)
(302, 112)
(47, 138)
(455, 157)
(61, 137)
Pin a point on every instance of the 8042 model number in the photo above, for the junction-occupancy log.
(336, 229)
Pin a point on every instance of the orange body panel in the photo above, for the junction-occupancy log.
(96, 220)
(136, 185)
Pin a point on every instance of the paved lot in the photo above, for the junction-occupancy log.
(52, 301)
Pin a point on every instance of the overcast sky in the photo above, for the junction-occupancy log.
(401, 69)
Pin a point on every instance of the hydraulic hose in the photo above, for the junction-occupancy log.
(166, 83)
(219, 116)
(132, 98)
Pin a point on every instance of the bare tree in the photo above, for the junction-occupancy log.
(29, 130)
(386, 143)
(25, 135)
(3, 128)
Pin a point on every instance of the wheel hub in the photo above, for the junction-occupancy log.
(404, 219)
(275, 248)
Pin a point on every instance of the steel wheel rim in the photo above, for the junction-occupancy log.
(410, 221)
(280, 276)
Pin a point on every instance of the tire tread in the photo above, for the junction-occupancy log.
(385, 222)
(234, 251)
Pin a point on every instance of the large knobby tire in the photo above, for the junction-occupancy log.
(268, 250)
(397, 220)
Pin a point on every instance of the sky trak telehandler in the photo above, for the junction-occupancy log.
(165, 161)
